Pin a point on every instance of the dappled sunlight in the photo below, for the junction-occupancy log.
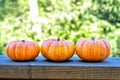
(38, 20)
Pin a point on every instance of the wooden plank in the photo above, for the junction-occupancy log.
(40, 68)
(73, 72)
(15, 72)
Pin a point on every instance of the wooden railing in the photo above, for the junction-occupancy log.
(40, 68)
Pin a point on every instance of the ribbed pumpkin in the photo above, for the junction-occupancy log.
(57, 49)
(92, 50)
(22, 50)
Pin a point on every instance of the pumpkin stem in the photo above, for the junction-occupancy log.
(58, 39)
(23, 41)
(93, 38)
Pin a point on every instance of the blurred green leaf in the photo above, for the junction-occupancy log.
(67, 19)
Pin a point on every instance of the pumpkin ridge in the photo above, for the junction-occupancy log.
(103, 49)
(79, 46)
(107, 45)
(50, 50)
(24, 51)
(7, 50)
(89, 49)
(13, 54)
(92, 50)
(16, 51)
(82, 51)
(45, 47)
(58, 49)
(27, 47)
(19, 49)
(85, 48)
(65, 47)
(97, 50)
(32, 50)
(70, 50)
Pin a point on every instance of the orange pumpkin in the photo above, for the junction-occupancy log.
(57, 49)
(22, 50)
(92, 50)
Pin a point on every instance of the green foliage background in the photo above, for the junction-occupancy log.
(67, 19)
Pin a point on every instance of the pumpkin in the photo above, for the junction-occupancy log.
(22, 50)
(57, 49)
(93, 50)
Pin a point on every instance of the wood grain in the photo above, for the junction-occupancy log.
(76, 69)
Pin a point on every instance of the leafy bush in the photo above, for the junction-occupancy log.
(67, 19)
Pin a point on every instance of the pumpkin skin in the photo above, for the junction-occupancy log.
(93, 50)
(57, 50)
(22, 50)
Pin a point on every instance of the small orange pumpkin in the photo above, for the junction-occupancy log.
(22, 50)
(92, 50)
(57, 49)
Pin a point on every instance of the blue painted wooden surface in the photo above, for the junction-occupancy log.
(75, 68)
(74, 61)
